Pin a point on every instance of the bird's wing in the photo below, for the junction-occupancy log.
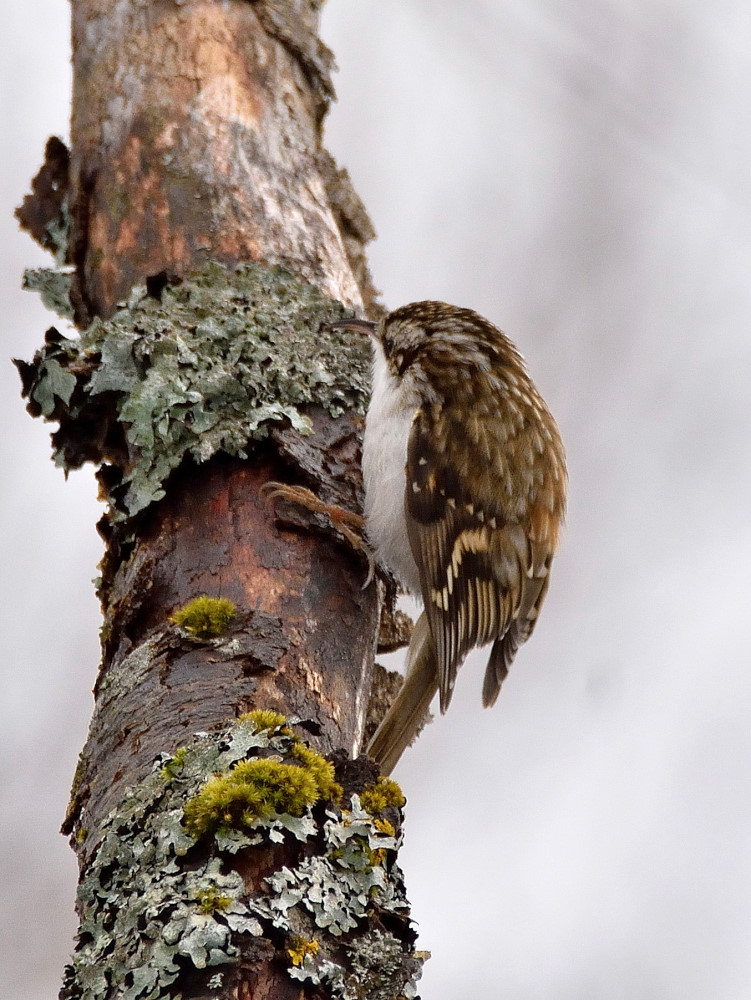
(475, 566)
(534, 589)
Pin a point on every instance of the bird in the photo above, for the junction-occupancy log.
(465, 495)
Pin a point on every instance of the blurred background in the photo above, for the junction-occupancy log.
(579, 173)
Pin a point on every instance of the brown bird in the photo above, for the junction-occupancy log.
(465, 493)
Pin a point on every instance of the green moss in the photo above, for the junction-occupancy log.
(260, 789)
(78, 775)
(321, 770)
(264, 719)
(253, 789)
(374, 856)
(379, 796)
(205, 617)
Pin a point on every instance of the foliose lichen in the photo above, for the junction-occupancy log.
(54, 285)
(189, 370)
(159, 897)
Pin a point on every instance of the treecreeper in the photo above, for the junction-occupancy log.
(465, 494)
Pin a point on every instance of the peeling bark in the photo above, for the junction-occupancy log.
(42, 212)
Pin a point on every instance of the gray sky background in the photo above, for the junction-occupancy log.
(579, 173)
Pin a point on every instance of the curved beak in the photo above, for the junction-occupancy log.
(360, 325)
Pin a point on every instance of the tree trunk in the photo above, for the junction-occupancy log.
(196, 147)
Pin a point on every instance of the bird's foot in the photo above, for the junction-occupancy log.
(346, 523)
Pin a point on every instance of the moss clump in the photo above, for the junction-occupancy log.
(264, 719)
(260, 789)
(299, 947)
(379, 796)
(320, 769)
(205, 617)
(253, 789)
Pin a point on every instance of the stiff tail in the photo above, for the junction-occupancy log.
(402, 721)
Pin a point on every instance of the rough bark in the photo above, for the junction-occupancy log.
(196, 137)
(296, 646)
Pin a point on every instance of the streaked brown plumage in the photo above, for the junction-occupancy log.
(465, 483)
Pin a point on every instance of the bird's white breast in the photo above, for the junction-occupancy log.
(392, 407)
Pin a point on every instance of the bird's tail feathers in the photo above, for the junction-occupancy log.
(404, 718)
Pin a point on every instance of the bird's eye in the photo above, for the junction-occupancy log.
(388, 346)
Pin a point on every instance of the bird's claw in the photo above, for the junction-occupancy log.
(348, 524)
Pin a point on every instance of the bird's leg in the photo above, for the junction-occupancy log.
(349, 525)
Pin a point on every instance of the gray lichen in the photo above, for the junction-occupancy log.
(143, 909)
(156, 902)
(376, 967)
(54, 285)
(337, 888)
(190, 370)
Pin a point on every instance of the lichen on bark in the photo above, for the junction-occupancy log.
(192, 369)
(157, 902)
